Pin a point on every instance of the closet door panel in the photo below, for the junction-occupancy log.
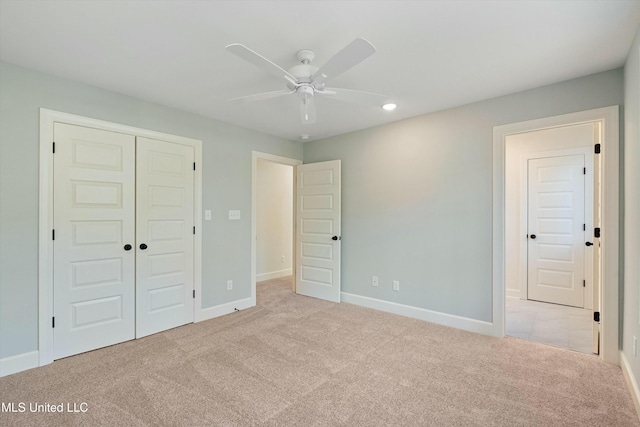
(94, 172)
(164, 234)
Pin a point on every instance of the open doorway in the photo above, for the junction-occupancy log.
(316, 227)
(273, 220)
(606, 320)
(606, 324)
(550, 215)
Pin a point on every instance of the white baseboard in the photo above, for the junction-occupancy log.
(273, 275)
(19, 362)
(459, 322)
(222, 309)
(631, 382)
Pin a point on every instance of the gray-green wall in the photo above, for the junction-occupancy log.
(226, 185)
(631, 236)
(417, 195)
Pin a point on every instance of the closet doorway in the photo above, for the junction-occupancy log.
(122, 256)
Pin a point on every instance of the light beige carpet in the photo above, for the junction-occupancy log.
(298, 361)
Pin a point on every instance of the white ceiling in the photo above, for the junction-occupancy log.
(431, 55)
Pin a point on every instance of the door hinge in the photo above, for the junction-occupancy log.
(54, 148)
(194, 165)
(596, 232)
(597, 148)
(194, 293)
(584, 283)
(53, 322)
(53, 234)
(194, 229)
(584, 227)
(584, 171)
(596, 316)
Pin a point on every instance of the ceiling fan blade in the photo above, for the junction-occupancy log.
(308, 110)
(354, 53)
(355, 96)
(258, 60)
(262, 96)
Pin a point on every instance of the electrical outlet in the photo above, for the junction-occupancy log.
(374, 280)
(396, 285)
(635, 347)
(229, 285)
(282, 259)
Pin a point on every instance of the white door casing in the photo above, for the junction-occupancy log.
(318, 230)
(93, 221)
(164, 236)
(556, 216)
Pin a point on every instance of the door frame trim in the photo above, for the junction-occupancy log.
(45, 214)
(609, 118)
(255, 156)
(588, 215)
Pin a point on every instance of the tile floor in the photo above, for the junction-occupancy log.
(553, 324)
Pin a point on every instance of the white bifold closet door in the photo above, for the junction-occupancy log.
(113, 195)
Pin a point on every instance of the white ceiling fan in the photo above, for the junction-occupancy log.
(306, 80)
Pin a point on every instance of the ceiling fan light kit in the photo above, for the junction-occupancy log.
(307, 80)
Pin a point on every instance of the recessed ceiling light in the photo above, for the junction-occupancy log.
(305, 136)
(389, 107)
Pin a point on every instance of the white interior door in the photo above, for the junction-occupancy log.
(164, 236)
(318, 237)
(93, 221)
(556, 249)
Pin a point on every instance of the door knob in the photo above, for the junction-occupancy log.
(127, 247)
(533, 236)
(334, 238)
(143, 246)
(588, 244)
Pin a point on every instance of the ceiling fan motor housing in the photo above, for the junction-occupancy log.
(303, 72)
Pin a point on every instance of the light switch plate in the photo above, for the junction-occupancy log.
(207, 215)
(234, 214)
